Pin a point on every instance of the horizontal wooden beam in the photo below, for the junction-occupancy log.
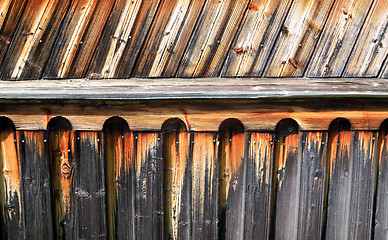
(200, 88)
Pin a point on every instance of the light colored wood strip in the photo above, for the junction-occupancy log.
(371, 47)
(215, 30)
(33, 40)
(260, 27)
(298, 37)
(122, 38)
(338, 37)
(78, 38)
(168, 38)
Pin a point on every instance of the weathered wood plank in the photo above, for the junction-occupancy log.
(89, 193)
(168, 38)
(258, 186)
(371, 47)
(286, 184)
(12, 214)
(204, 190)
(62, 164)
(312, 185)
(34, 160)
(176, 180)
(123, 36)
(338, 37)
(120, 179)
(33, 40)
(352, 184)
(78, 38)
(298, 37)
(257, 34)
(149, 186)
(10, 13)
(381, 219)
(215, 30)
(232, 180)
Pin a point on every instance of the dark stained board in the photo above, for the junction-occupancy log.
(249, 52)
(298, 37)
(122, 38)
(34, 160)
(168, 37)
(204, 186)
(78, 38)
(213, 34)
(258, 185)
(33, 40)
(338, 37)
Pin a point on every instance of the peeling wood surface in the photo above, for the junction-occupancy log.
(35, 160)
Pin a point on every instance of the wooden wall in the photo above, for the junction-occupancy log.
(175, 183)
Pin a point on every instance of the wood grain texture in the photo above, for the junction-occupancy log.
(12, 214)
(298, 37)
(350, 204)
(62, 165)
(168, 38)
(149, 186)
(122, 38)
(215, 30)
(33, 40)
(232, 180)
(10, 13)
(381, 219)
(204, 186)
(338, 37)
(258, 186)
(176, 181)
(120, 179)
(34, 160)
(89, 192)
(371, 48)
(249, 52)
(78, 38)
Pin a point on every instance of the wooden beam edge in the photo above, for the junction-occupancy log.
(195, 88)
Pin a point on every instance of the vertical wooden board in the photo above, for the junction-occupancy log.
(149, 186)
(287, 164)
(381, 215)
(312, 185)
(119, 150)
(177, 184)
(204, 182)
(214, 33)
(89, 194)
(232, 179)
(78, 38)
(352, 184)
(298, 37)
(371, 47)
(125, 31)
(62, 165)
(34, 157)
(33, 40)
(257, 34)
(259, 185)
(12, 215)
(338, 37)
(10, 12)
(168, 37)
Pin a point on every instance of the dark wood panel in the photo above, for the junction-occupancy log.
(122, 38)
(33, 40)
(258, 186)
(34, 160)
(204, 186)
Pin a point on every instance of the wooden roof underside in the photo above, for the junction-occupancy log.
(47, 39)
